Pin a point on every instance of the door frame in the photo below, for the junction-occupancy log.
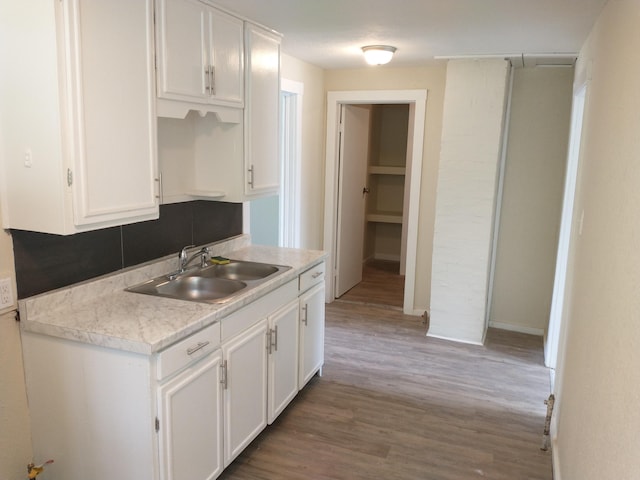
(553, 342)
(291, 97)
(417, 99)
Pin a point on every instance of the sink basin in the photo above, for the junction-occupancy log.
(199, 288)
(242, 271)
(211, 284)
(194, 288)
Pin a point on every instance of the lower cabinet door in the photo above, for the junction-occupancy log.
(283, 358)
(311, 333)
(245, 394)
(190, 423)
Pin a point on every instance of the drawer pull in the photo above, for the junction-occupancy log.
(199, 346)
(316, 275)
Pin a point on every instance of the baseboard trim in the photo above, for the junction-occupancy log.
(555, 462)
(452, 339)
(553, 433)
(517, 328)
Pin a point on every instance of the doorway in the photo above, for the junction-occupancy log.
(371, 240)
(415, 100)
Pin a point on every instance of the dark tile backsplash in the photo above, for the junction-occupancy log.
(45, 262)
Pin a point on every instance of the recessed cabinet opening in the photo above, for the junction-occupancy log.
(192, 153)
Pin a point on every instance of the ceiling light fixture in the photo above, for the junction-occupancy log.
(378, 54)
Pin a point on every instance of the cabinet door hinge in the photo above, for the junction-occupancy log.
(69, 177)
(157, 425)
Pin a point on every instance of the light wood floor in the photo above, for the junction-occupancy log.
(394, 404)
(381, 284)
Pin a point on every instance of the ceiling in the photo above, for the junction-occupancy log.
(329, 33)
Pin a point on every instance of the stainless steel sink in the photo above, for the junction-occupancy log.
(199, 288)
(211, 284)
(244, 271)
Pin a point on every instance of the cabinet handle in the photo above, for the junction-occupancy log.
(223, 374)
(304, 318)
(316, 275)
(274, 338)
(207, 80)
(199, 346)
(251, 176)
(212, 82)
(159, 182)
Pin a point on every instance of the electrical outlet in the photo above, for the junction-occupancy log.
(6, 293)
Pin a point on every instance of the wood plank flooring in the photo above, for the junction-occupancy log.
(381, 284)
(394, 404)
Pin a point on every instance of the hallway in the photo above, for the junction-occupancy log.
(381, 285)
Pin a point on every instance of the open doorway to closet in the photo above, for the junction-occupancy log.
(371, 241)
(374, 162)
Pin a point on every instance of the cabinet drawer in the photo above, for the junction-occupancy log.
(311, 277)
(190, 349)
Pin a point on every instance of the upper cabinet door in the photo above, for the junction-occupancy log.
(199, 53)
(262, 111)
(111, 104)
(81, 113)
(183, 50)
(226, 65)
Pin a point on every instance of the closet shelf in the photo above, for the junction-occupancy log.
(383, 170)
(385, 217)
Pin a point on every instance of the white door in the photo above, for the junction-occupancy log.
(227, 57)
(245, 395)
(283, 358)
(311, 333)
(115, 173)
(191, 422)
(353, 159)
(262, 111)
(183, 54)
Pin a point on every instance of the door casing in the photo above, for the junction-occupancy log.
(417, 100)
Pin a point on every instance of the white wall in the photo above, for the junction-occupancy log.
(532, 198)
(312, 172)
(472, 124)
(265, 220)
(15, 426)
(598, 414)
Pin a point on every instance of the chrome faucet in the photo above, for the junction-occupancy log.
(184, 260)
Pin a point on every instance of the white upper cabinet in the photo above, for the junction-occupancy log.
(262, 111)
(78, 115)
(231, 154)
(200, 58)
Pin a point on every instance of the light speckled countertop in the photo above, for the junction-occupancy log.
(100, 312)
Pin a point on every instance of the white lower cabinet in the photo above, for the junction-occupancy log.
(311, 341)
(245, 389)
(185, 412)
(283, 359)
(190, 407)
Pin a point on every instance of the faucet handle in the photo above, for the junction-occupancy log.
(204, 253)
